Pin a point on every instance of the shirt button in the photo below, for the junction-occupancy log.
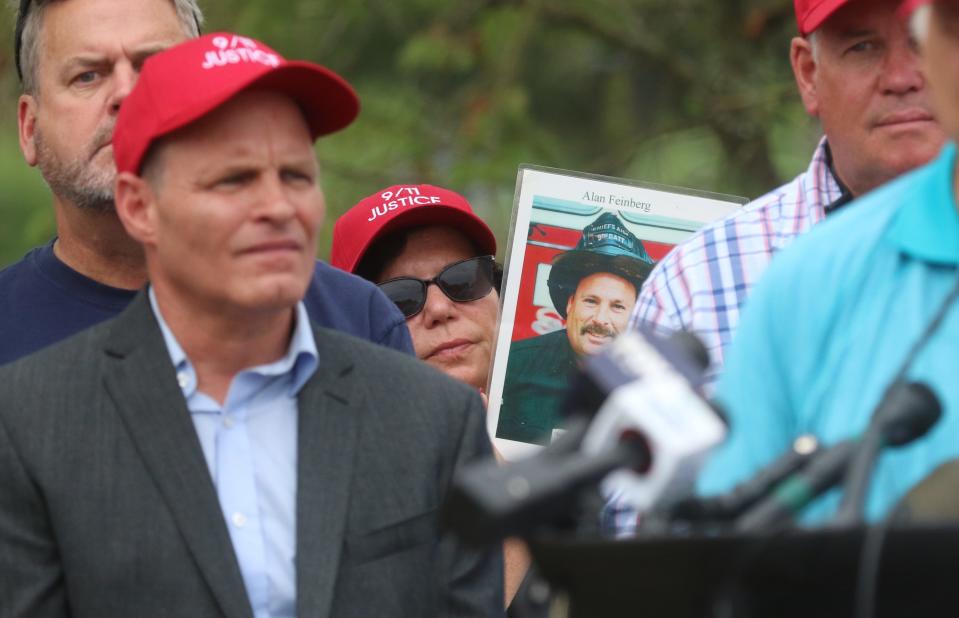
(183, 378)
(239, 519)
(228, 422)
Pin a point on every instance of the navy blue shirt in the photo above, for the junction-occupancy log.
(42, 301)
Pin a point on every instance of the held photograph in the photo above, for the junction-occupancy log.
(580, 248)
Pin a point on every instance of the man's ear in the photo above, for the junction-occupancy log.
(804, 65)
(136, 207)
(27, 127)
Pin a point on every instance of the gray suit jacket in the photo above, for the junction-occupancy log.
(107, 507)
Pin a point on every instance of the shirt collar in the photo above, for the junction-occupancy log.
(299, 363)
(927, 228)
(821, 186)
(845, 195)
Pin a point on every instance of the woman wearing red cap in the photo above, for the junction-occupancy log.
(433, 257)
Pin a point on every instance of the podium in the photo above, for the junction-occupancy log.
(801, 573)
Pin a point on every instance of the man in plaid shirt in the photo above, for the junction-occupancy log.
(858, 72)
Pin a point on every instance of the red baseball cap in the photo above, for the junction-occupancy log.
(188, 81)
(810, 14)
(909, 6)
(400, 207)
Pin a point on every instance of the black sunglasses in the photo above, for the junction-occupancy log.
(22, 13)
(464, 281)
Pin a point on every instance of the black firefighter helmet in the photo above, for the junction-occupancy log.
(605, 247)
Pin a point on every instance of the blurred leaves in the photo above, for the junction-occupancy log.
(689, 92)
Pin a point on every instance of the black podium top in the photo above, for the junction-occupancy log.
(800, 573)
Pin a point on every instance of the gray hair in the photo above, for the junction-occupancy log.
(919, 22)
(188, 12)
(813, 38)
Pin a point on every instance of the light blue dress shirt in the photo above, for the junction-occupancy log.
(250, 448)
(828, 327)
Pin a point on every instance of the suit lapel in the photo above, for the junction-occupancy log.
(328, 427)
(142, 383)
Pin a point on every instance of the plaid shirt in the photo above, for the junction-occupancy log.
(701, 285)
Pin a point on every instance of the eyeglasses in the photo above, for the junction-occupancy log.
(462, 282)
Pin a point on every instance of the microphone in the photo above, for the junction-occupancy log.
(648, 378)
(489, 501)
(729, 506)
(791, 496)
(918, 408)
(601, 374)
(897, 421)
(691, 348)
(665, 411)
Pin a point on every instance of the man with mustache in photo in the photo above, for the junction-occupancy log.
(593, 287)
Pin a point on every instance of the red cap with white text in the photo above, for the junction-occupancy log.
(400, 207)
(184, 83)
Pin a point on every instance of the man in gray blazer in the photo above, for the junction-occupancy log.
(209, 452)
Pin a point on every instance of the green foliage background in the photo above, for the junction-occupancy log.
(695, 93)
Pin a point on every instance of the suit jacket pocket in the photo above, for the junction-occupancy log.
(392, 538)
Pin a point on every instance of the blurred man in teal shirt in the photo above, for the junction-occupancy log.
(851, 306)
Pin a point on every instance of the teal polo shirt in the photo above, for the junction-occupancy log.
(829, 325)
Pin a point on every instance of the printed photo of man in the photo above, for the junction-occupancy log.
(593, 288)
